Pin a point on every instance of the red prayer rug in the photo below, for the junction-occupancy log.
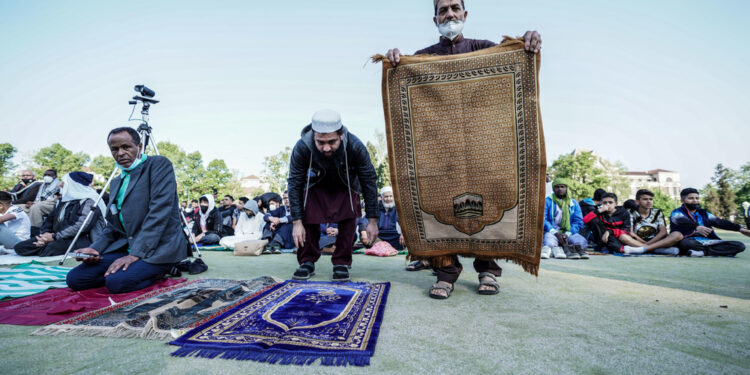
(55, 305)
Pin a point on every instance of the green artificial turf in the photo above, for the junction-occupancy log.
(605, 315)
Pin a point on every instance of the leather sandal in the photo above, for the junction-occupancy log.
(448, 288)
(493, 283)
(305, 271)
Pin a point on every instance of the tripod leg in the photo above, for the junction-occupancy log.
(86, 220)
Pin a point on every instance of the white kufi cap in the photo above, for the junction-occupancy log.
(326, 121)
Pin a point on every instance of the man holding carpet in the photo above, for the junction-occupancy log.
(329, 168)
(449, 17)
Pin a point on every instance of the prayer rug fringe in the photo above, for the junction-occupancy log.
(299, 358)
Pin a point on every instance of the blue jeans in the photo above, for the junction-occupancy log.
(8, 239)
(139, 274)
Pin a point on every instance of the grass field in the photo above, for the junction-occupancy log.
(605, 315)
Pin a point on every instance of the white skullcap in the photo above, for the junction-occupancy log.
(386, 189)
(326, 121)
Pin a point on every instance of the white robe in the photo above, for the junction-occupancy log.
(246, 229)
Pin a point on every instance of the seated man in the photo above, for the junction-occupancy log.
(590, 230)
(249, 226)
(696, 225)
(616, 223)
(278, 228)
(208, 228)
(388, 228)
(238, 207)
(649, 228)
(27, 178)
(14, 223)
(45, 199)
(227, 210)
(67, 218)
(143, 239)
(562, 222)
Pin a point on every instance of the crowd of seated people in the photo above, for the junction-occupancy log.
(635, 228)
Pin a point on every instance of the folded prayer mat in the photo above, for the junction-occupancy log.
(295, 322)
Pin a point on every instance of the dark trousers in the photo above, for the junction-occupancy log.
(310, 252)
(719, 248)
(139, 274)
(56, 247)
(450, 273)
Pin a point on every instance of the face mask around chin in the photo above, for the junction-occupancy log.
(451, 29)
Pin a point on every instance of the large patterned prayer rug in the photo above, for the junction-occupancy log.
(163, 314)
(466, 152)
(296, 322)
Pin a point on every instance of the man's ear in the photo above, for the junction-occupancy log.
(434, 20)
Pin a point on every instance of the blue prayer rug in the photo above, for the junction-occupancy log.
(295, 322)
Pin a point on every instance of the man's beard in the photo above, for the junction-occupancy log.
(693, 206)
(389, 206)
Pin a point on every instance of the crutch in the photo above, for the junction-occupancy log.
(86, 220)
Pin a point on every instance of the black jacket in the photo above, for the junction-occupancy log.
(213, 223)
(306, 169)
(72, 219)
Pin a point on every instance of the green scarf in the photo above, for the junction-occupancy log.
(564, 203)
(125, 181)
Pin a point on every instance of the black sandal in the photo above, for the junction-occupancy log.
(340, 273)
(305, 271)
(441, 286)
(493, 283)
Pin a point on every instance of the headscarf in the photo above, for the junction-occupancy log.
(563, 202)
(73, 190)
(211, 206)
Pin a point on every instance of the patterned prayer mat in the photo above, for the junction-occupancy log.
(467, 155)
(214, 248)
(31, 278)
(54, 305)
(297, 323)
(163, 314)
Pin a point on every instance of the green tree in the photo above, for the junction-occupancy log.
(59, 158)
(276, 170)
(722, 179)
(6, 166)
(6, 154)
(379, 158)
(102, 166)
(665, 203)
(710, 199)
(581, 170)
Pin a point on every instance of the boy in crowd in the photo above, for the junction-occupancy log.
(227, 210)
(649, 228)
(696, 225)
(562, 222)
(278, 228)
(14, 223)
(615, 221)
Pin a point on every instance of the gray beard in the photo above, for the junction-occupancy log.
(389, 206)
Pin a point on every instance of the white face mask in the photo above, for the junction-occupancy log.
(48, 179)
(272, 206)
(451, 29)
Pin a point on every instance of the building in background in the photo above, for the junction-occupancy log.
(252, 183)
(668, 182)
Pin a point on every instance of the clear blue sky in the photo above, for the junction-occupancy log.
(652, 84)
